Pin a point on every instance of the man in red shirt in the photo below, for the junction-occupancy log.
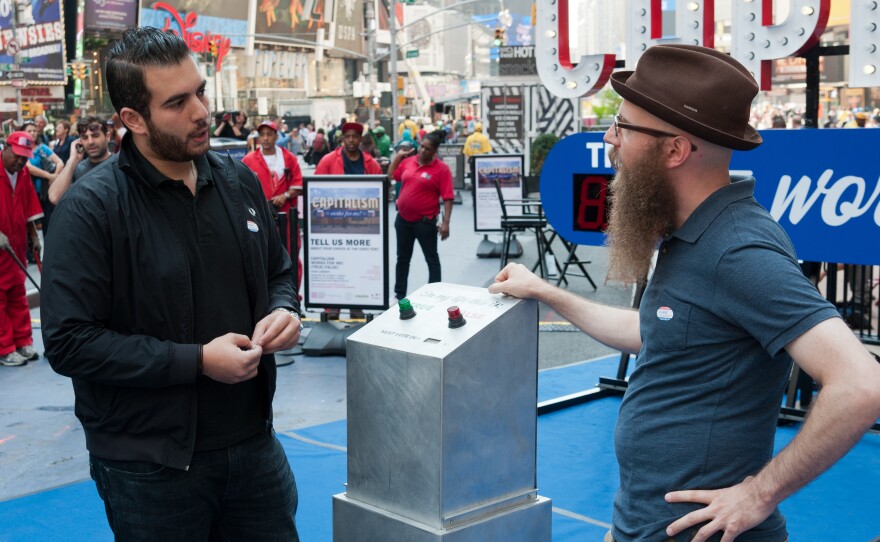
(348, 159)
(19, 208)
(279, 174)
(425, 180)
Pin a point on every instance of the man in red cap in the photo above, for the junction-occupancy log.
(19, 208)
(348, 159)
(278, 171)
(723, 315)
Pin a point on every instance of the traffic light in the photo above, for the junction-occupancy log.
(499, 37)
(212, 49)
(78, 70)
(534, 14)
(30, 110)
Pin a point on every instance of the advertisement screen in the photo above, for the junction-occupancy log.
(110, 14)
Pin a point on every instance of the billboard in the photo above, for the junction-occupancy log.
(348, 27)
(293, 21)
(199, 29)
(38, 38)
(110, 14)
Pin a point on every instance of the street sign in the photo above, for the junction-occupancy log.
(14, 75)
(412, 53)
(12, 48)
(19, 83)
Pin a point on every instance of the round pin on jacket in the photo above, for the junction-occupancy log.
(251, 225)
(664, 313)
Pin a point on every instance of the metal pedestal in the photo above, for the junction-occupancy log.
(442, 423)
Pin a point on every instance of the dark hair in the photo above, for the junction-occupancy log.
(87, 123)
(140, 47)
(434, 138)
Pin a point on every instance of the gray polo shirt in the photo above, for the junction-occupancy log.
(84, 167)
(700, 412)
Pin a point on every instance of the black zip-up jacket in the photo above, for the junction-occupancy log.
(117, 307)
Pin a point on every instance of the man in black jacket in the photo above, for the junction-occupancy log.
(166, 294)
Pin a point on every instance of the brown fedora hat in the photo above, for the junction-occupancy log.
(699, 90)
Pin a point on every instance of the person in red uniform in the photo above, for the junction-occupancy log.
(424, 181)
(19, 208)
(348, 159)
(279, 174)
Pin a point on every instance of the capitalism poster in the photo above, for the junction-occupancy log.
(507, 170)
(346, 242)
(39, 39)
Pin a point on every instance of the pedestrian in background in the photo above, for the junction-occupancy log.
(280, 176)
(425, 180)
(476, 143)
(19, 209)
(93, 143)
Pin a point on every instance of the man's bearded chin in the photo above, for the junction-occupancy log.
(642, 212)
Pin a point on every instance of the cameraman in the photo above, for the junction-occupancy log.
(232, 125)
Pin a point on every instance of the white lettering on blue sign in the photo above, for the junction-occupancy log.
(836, 209)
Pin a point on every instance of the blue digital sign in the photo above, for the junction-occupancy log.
(822, 186)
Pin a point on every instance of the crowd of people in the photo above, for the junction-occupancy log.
(304, 139)
(769, 116)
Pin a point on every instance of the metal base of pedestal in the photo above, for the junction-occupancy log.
(490, 249)
(354, 521)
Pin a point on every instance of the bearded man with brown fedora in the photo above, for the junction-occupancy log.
(724, 312)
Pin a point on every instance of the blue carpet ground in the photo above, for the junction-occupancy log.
(576, 469)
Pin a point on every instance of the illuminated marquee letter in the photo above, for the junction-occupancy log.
(756, 41)
(553, 56)
(864, 48)
(694, 24)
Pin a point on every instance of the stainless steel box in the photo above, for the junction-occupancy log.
(442, 421)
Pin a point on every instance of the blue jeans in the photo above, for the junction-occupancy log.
(244, 492)
(425, 232)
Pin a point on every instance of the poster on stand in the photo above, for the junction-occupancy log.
(508, 170)
(345, 241)
(452, 156)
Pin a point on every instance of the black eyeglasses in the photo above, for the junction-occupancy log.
(645, 130)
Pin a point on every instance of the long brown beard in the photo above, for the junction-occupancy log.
(642, 211)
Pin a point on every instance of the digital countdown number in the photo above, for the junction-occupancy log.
(591, 203)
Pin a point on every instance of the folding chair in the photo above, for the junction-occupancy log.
(522, 215)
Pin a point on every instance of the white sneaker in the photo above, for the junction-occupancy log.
(28, 353)
(13, 359)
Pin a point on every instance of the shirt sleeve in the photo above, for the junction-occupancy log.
(398, 173)
(446, 190)
(296, 177)
(762, 289)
